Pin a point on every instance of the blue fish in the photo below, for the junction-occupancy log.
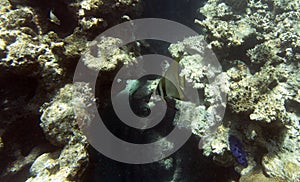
(237, 150)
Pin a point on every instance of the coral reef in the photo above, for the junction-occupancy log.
(65, 165)
(255, 26)
(105, 54)
(257, 175)
(61, 127)
(95, 14)
(58, 118)
(257, 43)
(24, 51)
(254, 93)
(194, 116)
(40, 44)
(264, 79)
(201, 68)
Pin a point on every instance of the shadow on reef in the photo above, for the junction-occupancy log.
(181, 11)
(178, 167)
(187, 164)
(20, 131)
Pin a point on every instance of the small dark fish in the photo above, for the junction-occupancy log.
(237, 150)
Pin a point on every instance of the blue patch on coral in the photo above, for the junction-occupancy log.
(237, 150)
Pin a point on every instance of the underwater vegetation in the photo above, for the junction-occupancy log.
(254, 95)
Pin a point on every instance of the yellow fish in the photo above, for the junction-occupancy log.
(172, 84)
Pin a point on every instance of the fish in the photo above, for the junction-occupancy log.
(166, 87)
(53, 18)
(237, 150)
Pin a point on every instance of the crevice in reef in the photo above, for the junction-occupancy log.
(181, 165)
(45, 9)
(20, 130)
